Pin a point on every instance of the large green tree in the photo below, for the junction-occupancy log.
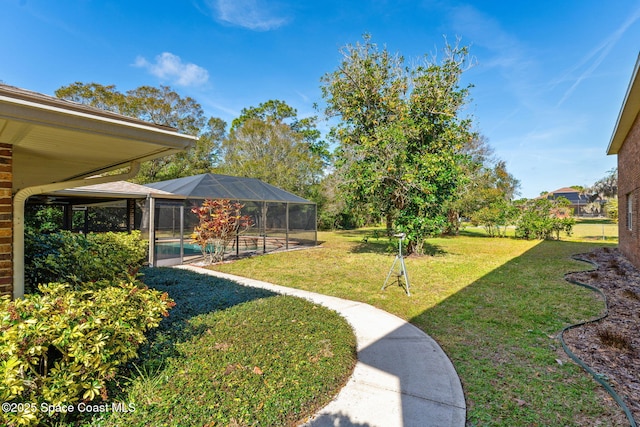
(607, 186)
(400, 134)
(280, 112)
(271, 143)
(163, 106)
(486, 190)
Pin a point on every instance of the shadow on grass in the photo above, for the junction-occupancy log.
(376, 242)
(504, 325)
(194, 295)
(363, 233)
(594, 221)
(380, 246)
(472, 232)
(391, 248)
(433, 250)
(598, 239)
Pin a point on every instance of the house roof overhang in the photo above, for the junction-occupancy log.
(55, 140)
(628, 112)
(56, 143)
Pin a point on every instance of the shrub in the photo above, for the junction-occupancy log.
(61, 346)
(43, 219)
(220, 221)
(495, 217)
(544, 219)
(76, 258)
(611, 209)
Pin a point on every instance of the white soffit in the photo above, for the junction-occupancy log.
(56, 140)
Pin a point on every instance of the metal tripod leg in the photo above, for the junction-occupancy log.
(406, 276)
(390, 271)
(402, 272)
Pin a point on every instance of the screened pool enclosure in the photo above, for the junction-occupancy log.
(282, 220)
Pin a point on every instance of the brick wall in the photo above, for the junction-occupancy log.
(629, 186)
(6, 220)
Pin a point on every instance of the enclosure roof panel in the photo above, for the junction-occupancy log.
(214, 186)
(118, 189)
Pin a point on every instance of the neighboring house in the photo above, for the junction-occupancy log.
(625, 142)
(49, 144)
(578, 200)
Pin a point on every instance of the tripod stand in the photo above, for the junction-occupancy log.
(401, 266)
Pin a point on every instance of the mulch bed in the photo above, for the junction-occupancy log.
(611, 346)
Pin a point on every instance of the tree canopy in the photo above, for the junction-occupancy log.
(400, 134)
(486, 191)
(162, 106)
(607, 186)
(271, 143)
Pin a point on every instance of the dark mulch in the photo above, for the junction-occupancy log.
(611, 346)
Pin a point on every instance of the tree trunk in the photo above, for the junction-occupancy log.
(453, 218)
(410, 247)
(390, 231)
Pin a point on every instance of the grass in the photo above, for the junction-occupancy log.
(597, 229)
(494, 305)
(585, 229)
(232, 355)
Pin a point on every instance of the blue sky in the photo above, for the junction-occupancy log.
(549, 79)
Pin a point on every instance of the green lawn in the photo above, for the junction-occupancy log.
(585, 229)
(596, 229)
(494, 305)
(230, 355)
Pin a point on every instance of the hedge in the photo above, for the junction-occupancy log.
(76, 258)
(58, 348)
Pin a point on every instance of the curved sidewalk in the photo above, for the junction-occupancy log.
(402, 377)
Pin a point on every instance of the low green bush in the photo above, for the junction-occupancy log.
(611, 209)
(544, 219)
(495, 217)
(59, 347)
(77, 258)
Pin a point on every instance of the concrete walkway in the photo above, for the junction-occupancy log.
(402, 377)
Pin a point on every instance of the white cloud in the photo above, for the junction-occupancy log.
(257, 15)
(168, 66)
